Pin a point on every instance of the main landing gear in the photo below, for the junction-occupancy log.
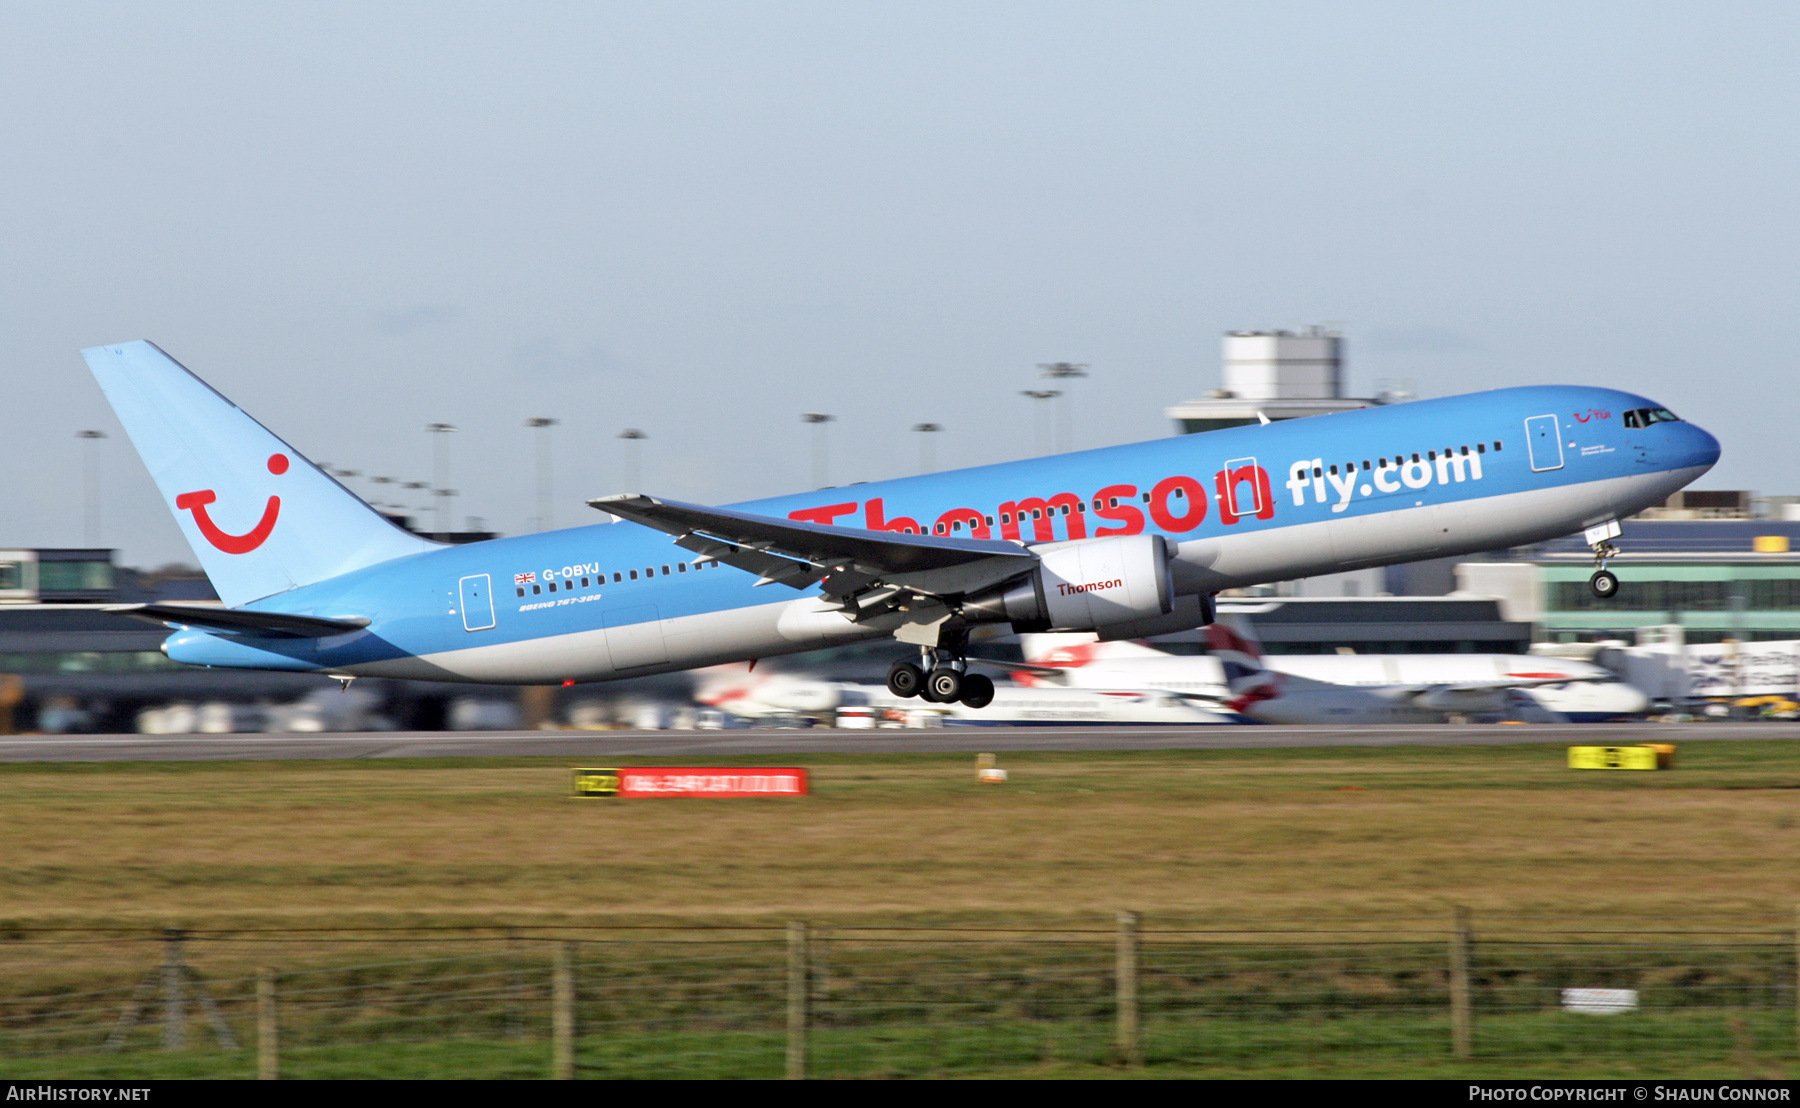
(941, 677)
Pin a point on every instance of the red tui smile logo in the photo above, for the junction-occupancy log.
(196, 502)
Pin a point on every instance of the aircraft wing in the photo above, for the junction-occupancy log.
(237, 619)
(841, 560)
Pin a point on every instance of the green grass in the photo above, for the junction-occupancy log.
(1705, 1045)
(1318, 832)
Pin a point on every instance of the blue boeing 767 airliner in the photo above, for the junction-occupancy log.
(1125, 541)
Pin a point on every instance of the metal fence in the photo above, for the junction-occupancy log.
(1675, 998)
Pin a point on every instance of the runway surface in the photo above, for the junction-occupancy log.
(719, 746)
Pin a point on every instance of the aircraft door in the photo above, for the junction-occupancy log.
(634, 637)
(1242, 470)
(1543, 437)
(477, 603)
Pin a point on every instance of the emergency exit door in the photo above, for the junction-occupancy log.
(1543, 438)
(477, 603)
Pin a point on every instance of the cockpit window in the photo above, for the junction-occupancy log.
(1644, 417)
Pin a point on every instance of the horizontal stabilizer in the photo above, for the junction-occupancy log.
(238, 619)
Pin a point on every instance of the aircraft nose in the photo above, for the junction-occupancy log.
(1699, 447)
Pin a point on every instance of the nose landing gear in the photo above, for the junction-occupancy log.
(1603, 584)
(943, 678)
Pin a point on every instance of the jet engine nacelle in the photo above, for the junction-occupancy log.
(1084, 585)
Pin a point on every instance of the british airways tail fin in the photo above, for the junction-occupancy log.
(1079, 648)
(261, 518)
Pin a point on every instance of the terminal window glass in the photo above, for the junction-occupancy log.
(10, 577)
(59, 576)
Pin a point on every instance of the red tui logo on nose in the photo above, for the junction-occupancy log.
(196, 502)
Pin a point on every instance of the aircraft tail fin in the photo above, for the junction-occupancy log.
(1079, 648)
(261, 518)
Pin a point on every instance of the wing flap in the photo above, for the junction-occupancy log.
(801, 554)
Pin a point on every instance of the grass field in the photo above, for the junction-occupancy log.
(1268, 833)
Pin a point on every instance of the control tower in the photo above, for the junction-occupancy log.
(1277, 374)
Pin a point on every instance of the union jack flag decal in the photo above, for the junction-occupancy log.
(524, 578)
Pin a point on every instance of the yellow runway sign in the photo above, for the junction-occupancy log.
(1647, 756)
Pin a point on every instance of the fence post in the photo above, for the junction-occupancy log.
(1125, 978)
(174, 976)
(798, 990)
(268, 1032)
(1462, 1008)
(562, 1013)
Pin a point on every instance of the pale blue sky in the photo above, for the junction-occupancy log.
(703, 219)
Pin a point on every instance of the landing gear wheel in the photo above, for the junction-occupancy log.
(905, 679)
(944, 686)
(1604, 585)
(977, 690)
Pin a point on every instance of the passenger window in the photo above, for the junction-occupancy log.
(665, 571)
(1334, 469)
(1415, 457)
(521, 590)
(1005, 517)
(956, 525)
(537, 590)
(1316, 472)
(682, 566)
(1431, 454)
(1496, 446)
(584, 582)
(990, 520)
(1481, 448)
(634, 575)
(617, 578)
(1366, 464)
(553, 586)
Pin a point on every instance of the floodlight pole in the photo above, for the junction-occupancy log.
(90, 464)
(543, 425)
(1040, 418)
(821, 477)
(441, 470)
(927, 456)
(1064, 371)
(632, 437)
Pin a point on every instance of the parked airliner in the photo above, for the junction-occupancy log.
(760, 695)
(1124, 541)
(1334, 688)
